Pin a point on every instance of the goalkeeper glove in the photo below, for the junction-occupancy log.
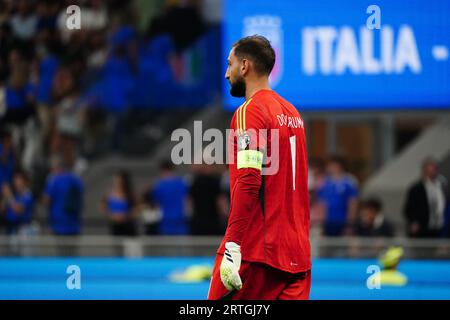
(229, 268)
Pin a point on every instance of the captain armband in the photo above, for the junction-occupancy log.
(249, 159)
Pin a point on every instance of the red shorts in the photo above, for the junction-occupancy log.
(262, 282)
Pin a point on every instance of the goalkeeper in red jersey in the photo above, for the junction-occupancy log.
(265, 253)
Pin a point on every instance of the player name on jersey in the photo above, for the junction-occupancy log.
(290, 122)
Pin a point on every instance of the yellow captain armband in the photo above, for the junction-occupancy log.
(249, 159)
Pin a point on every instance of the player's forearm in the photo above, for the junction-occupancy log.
(245, 199)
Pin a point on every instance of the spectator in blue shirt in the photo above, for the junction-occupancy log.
(19, 95)
(64, 197)
(119, 205)
(170, 193)
(18, 203)
(338, 196)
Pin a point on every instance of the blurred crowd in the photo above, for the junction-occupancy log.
(338, 209)
(172, 205)
(60, 89)
(65, 92)
(198, 203)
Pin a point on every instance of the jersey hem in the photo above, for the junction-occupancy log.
(272, 265)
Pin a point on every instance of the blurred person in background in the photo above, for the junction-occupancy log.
(19, 92)
(156, 67)
(115, 87)
(8, 161)
(20, 108)
(69, 115)
(98, 53)
(205, 194)
(48, 62)
(47, 14)
(426, 202)
(17, 201)
(95, 115)
(17, 206)
(372, 222)
(170, 193)
(446, 232)
(119, 205)
(24, 21)
(150, 214)
(63, 196)
(339, 199)
(316, 180)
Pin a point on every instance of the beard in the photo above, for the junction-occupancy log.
(238, 88)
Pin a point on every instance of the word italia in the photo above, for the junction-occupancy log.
(328, 50)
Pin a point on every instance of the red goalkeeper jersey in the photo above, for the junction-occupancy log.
(269, 214)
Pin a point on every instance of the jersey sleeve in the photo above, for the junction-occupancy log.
(250, 145)
(251, 127)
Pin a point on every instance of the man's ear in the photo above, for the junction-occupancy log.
(245, 67)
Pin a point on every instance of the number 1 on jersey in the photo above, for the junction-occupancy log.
(293, 153)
